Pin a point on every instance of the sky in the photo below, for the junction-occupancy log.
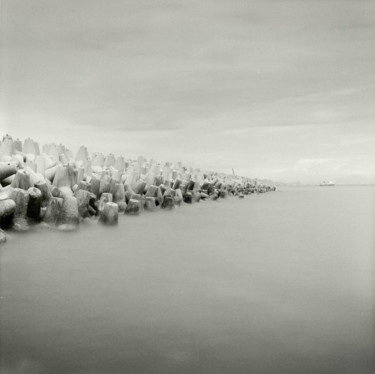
(277, 89)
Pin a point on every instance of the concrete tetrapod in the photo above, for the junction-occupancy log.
(176, 184)
(52, 212)
(95, 186)
(68, 217)
(150, 203)
(168, 198)
(21, 180)
(128, 192)
(46, 193)
(83, 185)
(152, 191)
(3, 237)
(119, 196)
(178, 198)
(104, 198)
(222, 193)
(7, 209)
(183, 188)
(188, 198)
(83, 200)
(141, 199)
(35, 178)
(64, 177)
(7, 169)
(50, 173)
(203, 195)
(55, 192)
(196, 196)
(109, 214)
(133, 207)
(35, 203)
(21, 198)
(140, 187)
(168, 202)
(105, 184)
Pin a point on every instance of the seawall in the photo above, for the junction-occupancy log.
(51, 187)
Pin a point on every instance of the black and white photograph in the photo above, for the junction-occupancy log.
(187, 186)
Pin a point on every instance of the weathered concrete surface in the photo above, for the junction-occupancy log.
(109, 214)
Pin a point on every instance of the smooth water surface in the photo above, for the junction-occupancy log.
(281, 282)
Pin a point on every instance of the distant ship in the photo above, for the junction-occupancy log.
(325, 184)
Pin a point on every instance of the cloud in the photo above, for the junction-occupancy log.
(268, 82)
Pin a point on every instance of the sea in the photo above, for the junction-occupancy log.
(281, 282)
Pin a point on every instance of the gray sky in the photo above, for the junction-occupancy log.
(280, 89)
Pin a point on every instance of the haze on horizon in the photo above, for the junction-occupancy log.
(283, 90)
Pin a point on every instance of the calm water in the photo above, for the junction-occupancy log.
(276, 283)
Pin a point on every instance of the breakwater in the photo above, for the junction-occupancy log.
(54, 188)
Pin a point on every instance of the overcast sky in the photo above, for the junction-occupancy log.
(279, 89)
